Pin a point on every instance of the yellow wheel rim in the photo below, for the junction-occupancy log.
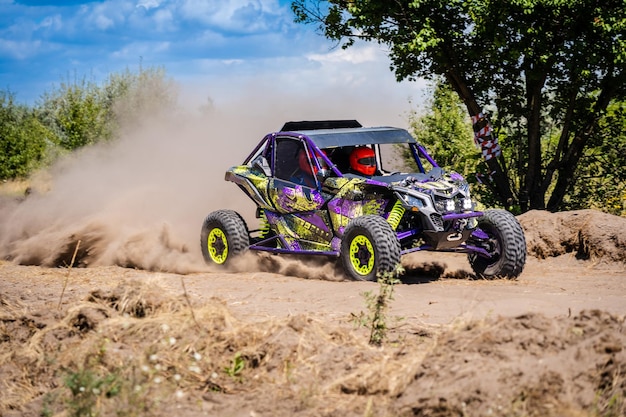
(217, 246)
(362, 255)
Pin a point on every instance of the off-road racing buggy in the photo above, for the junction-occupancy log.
(310, 203)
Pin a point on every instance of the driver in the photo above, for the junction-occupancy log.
(363, 161)
(307, 170)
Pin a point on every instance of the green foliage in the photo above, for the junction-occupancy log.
(91, 383)
(237, 365)
(601, 175)
(101, 387)
(151, 92)
(83, 113)
(542, 67)
(74, 110)
(24, 140)
(129, 97)
(378, 305)
(78, 113)
(86, 388)
(445, 130)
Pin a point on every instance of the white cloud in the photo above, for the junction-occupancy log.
(105, 16)
(232, 61)
(103, 22)
(19, 49)
(207, 37)
(220, 48)
(134, 50)
(54, 22)
(148, 4)
(164, 20)
(240, 16)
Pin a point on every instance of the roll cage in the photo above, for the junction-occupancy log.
(321, 145)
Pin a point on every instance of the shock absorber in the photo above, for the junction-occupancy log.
(395, 215)
(264, 225)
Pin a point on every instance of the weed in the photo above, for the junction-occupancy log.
(48, 402)
(610, 403)
(615, 406)
(93, 383)
(377, 306)
(236, 367)
(87, 387)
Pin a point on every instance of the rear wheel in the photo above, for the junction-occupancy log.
(505, 243)
(369, 246)
(224, 235)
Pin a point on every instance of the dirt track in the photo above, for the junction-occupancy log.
(550, 343)
(431, 294)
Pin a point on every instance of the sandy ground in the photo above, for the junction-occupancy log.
(554, 287)
(432, 291)
(548, 343)
(140, 326)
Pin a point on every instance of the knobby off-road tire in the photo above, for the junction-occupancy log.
(507, 246)
(224, 235)
(369, 246)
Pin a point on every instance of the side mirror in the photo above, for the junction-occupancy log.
(260, 163)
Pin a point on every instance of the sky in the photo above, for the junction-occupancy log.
(215, 50)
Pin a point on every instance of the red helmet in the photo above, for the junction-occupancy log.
(363, 160)
(305, 166)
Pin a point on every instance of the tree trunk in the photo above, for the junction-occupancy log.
(501, 182)
(567, 168)
(563, 145)
(533, 186)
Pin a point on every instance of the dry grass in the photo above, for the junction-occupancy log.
(14, 188)
(136, 349)
(146, 344)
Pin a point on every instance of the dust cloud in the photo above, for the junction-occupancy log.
(140, 201)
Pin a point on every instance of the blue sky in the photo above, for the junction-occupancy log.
(214, 49)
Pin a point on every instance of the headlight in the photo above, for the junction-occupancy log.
(412, 201)
(467, 204)
(450, 205)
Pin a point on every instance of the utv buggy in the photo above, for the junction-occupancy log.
(329, 188)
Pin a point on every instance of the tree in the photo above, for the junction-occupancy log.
(74, 111)
(601, 173)
(446, 132)
(131, 96)
(24, 140)
(539, 65)
(84, 113)
(78, 114)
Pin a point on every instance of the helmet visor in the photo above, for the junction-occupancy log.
(368, 161)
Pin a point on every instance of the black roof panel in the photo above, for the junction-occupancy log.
(319, 124)
(332, 138)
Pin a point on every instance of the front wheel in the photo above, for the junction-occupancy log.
(505, 242)
(369, 246)
(224, 235)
